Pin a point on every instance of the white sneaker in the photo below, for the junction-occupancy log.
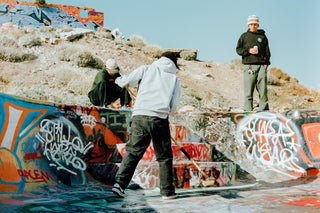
(170, 197)
(118, 190)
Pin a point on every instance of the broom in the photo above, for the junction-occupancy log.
(208, 181)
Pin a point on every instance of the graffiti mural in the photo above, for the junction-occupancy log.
(44, 144)
(57, 16)
(47, 144)
(269, 145)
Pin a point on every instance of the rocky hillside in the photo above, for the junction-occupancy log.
(59, 65)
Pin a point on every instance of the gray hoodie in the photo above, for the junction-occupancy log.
(159, 89)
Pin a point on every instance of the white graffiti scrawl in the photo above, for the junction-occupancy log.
(60, 147)
(88, 120)
(270, 141)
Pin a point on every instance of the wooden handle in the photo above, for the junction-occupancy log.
(188, 156)
(131, 93)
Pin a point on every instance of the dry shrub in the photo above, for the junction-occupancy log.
(65, 52)
(276, 72)
(28, 40)
(3, 80)
(137, 41)
(188, 55)
(14, 55)
(152, 50)
(86, 59)
(80, 57)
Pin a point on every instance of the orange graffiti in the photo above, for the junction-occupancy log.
(311, 132)
(308, 202)
(93, 16)
(15, 118)
(101, 132)
(8, 172)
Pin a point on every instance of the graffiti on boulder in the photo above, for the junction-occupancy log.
(57, 16)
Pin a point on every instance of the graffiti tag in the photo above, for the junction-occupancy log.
(60, 147)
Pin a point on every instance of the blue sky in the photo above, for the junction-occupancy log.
(214, 26)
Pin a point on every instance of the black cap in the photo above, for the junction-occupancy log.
(172, 57)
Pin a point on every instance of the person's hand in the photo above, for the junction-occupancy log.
(115, 105)
(253, 51)
(116, 80)
(129, 105)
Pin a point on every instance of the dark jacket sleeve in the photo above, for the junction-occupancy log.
(241, 49)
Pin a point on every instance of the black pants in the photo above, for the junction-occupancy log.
(143, 129)
(105, 93)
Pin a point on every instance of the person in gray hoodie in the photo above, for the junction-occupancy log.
(158, 95)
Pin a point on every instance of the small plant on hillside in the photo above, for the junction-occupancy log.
(152, 50)
(28, 40)
(188, 55)
(276, 72)
(65, 52)
(2, 80)
(82, 58)
(137, 41)
(86, 59)
(14, 55)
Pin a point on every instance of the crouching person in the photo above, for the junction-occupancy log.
(105, 92)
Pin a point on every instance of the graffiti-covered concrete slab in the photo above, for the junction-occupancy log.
(57, 16)
(271, 146)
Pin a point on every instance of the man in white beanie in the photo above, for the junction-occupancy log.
(104, 91)
(253, 46)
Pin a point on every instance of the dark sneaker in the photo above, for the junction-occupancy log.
(169, 197)
(118, 190)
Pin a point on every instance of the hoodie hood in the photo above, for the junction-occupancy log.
(166, 65)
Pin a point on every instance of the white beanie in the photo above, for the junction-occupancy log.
(253, 19)
(112, 66)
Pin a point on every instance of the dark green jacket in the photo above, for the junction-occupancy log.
(104, 75)
(250, 39)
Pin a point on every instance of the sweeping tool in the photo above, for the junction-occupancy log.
(208, 181)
